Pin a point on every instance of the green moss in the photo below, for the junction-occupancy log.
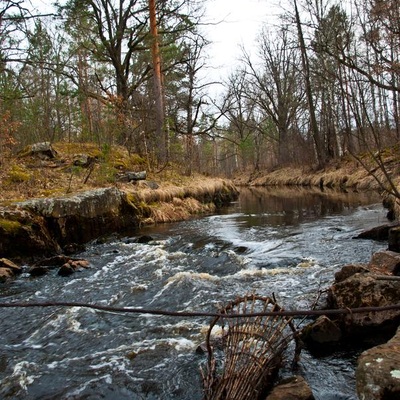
(10, 227)
(140, 208)
(18, 175)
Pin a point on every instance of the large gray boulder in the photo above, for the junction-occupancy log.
(378, 371)
(84, 216)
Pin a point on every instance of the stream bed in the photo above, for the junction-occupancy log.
(286, 243)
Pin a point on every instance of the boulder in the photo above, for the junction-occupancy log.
(377, 233)
(24, 234)
(84, 216)
(366, 290)
(294, 388)
(83, 160)
(42, 150)
(130, 176)
(378, 371)
(385, 262)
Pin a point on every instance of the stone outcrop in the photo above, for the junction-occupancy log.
(41, 228)
(378, 371)
(23, 233)
(84, 216)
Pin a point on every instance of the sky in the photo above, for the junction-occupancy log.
(239, 23)
(232, 23)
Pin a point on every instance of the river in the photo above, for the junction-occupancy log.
(283, 242)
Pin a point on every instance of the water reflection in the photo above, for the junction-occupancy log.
(277, 206)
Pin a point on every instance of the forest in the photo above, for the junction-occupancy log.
(323, 83)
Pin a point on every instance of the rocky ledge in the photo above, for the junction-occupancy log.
(41, 228)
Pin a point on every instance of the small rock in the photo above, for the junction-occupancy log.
(144, 239)
(349, 270)
(6, 263)
(66, 270)
(83, 160)
(130, 176)
(323, 330)
(5, 274)
(294, 388)
(38, 271)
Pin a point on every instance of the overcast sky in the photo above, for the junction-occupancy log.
(234, 23)
(241, 21)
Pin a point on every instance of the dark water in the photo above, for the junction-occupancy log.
(289, 243)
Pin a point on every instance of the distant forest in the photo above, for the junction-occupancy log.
(323, 83)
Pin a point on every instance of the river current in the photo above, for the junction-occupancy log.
(286, 243)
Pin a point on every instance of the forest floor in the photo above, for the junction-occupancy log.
(25, 175)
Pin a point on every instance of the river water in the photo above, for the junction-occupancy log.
(283, 242)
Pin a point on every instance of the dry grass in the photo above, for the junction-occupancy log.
(350, 173)
(176, 198)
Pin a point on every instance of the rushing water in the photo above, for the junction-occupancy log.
(286, 243)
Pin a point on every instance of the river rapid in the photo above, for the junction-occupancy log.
(283, 242)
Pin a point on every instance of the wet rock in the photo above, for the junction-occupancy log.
(385, 262)
(378, 371)
(394, 239)
(321, 333)
(349, 270)
(5, 274)
(14, 268)
(377, 233)
(72, 266)
(66, 270)
(366, 290)
(24, 234)
(294, 388)
(38, 271)
(8, 269)
(144, 239)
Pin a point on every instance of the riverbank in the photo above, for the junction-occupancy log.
(56, 198)
(347, 173)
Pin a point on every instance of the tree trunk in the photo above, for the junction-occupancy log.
(306, 68)
(158, 90)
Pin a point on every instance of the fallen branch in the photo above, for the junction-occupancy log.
(286, 313)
